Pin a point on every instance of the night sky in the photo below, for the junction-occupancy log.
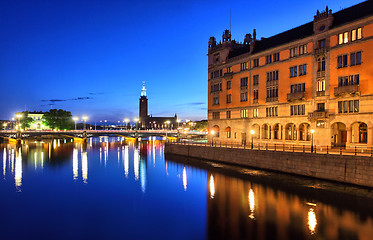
(90, 57)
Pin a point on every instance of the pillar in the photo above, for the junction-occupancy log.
(370, 136)
(349, 136)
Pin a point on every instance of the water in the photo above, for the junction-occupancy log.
(109, 188)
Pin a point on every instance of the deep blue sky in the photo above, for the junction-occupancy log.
(93, 55)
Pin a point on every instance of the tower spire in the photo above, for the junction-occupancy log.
(143, 90)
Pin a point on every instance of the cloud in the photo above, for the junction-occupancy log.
(64, 100)
(192, 104)
(99, 93)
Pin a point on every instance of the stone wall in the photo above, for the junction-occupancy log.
(347, 169)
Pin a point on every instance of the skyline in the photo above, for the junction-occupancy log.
(91, 57)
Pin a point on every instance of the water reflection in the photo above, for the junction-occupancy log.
(212, 187)
(185, 182)
(75, 164)
(312, 221)
(18, 170)
(252, 204)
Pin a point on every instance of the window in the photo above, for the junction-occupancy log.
(300, 87)
(349, 80)
(229, 98)
(215, 101)
(228, 114)
(216, 115)
(321, 64)
(293, 52)
(229, 69)
(321, 43)
(228, 133)
(272, 92)
(255, 80)
(255, 112)
(272, 76)
(321, 107)
(297, 110)
(256, 94)
(350, 106)
(268, 59)
(293, 71)
(243, 113)
(276, 57)
(243, 97)
(244, 82)
(216, 74)
(216, 87)
(363, 133)
(320, 86)
(256, 62)
(303, 49)
(243, 66)
(229, 84)
(355, 58)
(302, 69)
(271, 112)
(342, 61)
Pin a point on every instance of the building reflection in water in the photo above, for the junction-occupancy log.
(240, 209)
(84, 166)
(4, 162)
(125, 160)
(136, 163)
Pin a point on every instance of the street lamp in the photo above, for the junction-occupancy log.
(126, 120)
(212, 137)
(18, 117)
(136, 121)
(312, 132)
(167, 124)
(4, 124)
(105, 124)
(75, 119)
(252, 138)
(85, 118)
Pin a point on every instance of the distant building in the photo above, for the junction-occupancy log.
(315, 77)
(38, 123)
(150, 122)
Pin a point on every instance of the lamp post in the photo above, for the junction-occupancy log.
(75, 119)
(4, 124)
(136, 121)
(167, 124)
(252, 138)
(126, 121)
(85, 118)
(105, 124)
(212, 137)
(18, 117)
(312, 132)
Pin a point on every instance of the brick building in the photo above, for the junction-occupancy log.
(318, 76)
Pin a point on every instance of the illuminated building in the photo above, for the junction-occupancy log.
(148, 121)
(313, 77)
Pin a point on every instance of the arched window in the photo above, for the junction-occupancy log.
(266, 131)
(363, 133)
(277, 131)
(228, 131)
(304, 132)
(290, 132)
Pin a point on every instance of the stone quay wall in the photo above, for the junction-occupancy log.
(349, 169)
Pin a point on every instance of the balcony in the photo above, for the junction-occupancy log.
(320, 93)
(320, 50)
(272, 99)
(320, 74)
(228, 75)
(317, 115)
(349, 89)
(295, 96)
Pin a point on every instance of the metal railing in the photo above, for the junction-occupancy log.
(275, 147)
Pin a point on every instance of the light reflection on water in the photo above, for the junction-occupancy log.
(122, 184)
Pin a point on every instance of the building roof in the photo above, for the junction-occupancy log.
(342, 17)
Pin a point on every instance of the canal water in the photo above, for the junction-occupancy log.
(109, 188)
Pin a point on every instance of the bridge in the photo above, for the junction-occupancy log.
(84, 134)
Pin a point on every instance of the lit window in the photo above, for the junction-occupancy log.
(340, 38)
(345, 37)
(353, 35)
(255, 112)
(320, 87)
(359, 35)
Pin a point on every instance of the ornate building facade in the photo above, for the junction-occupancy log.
(318, 76)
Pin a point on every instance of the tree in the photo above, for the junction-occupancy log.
(25, 120)
(58, 119)
(201, 125)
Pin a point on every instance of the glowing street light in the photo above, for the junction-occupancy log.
(4, 124)
(312, 132)
(18, 117)
(212, 137)
(252, 138)
(136, 121)
(126, 120)
(85, 118)
(75, 120)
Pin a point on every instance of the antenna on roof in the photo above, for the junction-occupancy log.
(230, 20)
